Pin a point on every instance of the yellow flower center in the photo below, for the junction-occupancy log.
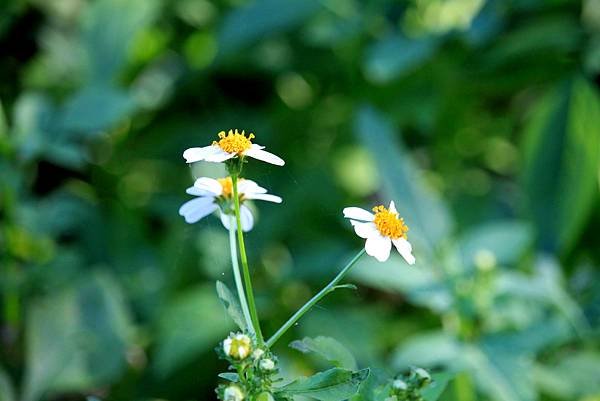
(240, 347)
(234, 142)
(389, 224)
(227, 187)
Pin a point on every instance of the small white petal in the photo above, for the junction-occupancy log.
(192, 155)
(358, 213)
(196, 209)
(246, 186)
(405, 249)
(219, 156)
(198, 192)
(364, 230)
(265, 197)
(245, 216)
(379, 247)
(209, 184)
(265, 156)
(392, 207)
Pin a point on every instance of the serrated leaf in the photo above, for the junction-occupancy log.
(328, 348)
(231, 305)
(332, 385)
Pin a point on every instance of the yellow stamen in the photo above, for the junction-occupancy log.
(227, 186)
(234, 142)
(389, 224)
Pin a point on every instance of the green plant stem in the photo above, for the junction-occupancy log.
(314, 300)
(237, 276)
(244, 259)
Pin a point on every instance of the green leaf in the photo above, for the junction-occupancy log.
(108, 31)
(229, 376)
(428, 349)
(328, 348)
(246, 25)
(573, 377)
(440, 381)
(95, 109)
(332, 385)
(7, 392)
(76, 339)
(562, 152)
(506, 240)
(397, 55)
(421, 284)
(231, 305)
(424, 212)
(189, 325)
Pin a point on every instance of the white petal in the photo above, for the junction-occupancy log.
(199, 192)
(209, 184)
(405, 249)
(192, 155)
(246, 186)
(246, 218)
(392, 207)
(227, 220)
(265, 197)
(196, 209)
(379, 247)
(357, 213)
(265, 156)
(219, 156)
(364, 230)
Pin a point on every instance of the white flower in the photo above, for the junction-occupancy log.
(422, 374)
(399, 384)
(258, 353)
(217, 194)
(231, 144)
(233, 393)
(237, 346)
(381, 230)
(267, 364)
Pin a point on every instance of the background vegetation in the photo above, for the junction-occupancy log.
(480, 118)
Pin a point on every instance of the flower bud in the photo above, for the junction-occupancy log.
(233, 393)
(265, 396)
(258, 353)
(267, 364)
(399, 384)
(422, 376)
(237, 346)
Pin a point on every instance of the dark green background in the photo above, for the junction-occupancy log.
(481, 119)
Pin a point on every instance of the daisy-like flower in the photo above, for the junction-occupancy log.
(381, 229)
(237, 345)
(231, 144)
(217, 194)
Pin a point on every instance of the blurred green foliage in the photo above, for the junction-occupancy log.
(481, 119)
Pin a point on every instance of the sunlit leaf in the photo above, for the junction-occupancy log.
(328, 348)
(332, 385)
(231, 305)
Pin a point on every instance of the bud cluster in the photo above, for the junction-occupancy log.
(253, 370)
(408, 387)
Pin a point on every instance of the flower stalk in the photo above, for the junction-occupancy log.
(244, 259)
(314, 300)
(238, 278)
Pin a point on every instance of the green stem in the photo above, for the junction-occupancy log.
(313, 301)
(244, 259)
(237, 276)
